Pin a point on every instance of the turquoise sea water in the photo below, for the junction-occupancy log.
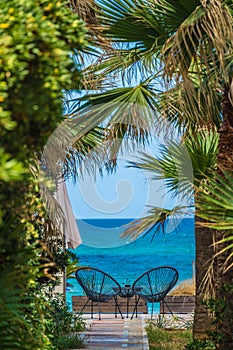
(125, 260)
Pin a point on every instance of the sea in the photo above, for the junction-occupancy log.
(124, 259)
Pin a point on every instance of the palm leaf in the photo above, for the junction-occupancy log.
(208, 28)
(202, 148)
(130, 106)
(192, 102)
(136, 36)
(215, 206)
(87, 10)
(121, 18)
(174, 167)
(183, 164)
(155, 221)
(124, 64)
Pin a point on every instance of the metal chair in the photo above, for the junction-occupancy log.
(99, 287)
(153, 285)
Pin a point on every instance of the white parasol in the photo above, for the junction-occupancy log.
(70, 230)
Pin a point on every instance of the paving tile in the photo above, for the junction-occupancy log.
(116, 333)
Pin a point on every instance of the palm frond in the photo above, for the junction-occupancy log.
(131, 106)
(190, 103)
(173, 166)
(86, 153)
(215, 206)
(123, 16)
(124, 65)
(207, 30)
(136, 36)
(155, 221)
(215, 203)
(202, 146)
(183, 165)
(197, 54)
(69, 147)
(87, 10)
(207, 285)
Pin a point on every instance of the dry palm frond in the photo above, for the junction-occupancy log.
(193, 101)
(88, 11)
(207, 286)
(207, 31)
(197, 55)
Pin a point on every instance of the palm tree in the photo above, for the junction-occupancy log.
(184, 166)
(214, 207)
(187, 43)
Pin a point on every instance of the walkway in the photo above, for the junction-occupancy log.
(116, 333)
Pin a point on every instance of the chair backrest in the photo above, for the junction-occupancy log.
(156, 282)
(96, 281)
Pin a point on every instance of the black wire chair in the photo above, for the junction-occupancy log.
(99, 287)
(153, 285)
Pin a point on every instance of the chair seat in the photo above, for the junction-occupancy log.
(153, 285)
(99, 286)
(102, 298)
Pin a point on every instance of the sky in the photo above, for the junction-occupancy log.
(128, 193)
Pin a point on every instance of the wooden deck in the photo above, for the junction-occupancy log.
(109, 307)
(178, 304)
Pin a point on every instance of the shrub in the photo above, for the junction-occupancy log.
(37, 39)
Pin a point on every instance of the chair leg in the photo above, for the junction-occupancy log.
(117, 305)
(135, 308)
(99, 310)
(92, 309)
(84, 306)
(164, 302)
(163, 306)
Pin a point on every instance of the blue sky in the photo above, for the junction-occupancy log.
(126, 194)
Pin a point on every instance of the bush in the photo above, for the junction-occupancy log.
(63, 324)
(37, 39)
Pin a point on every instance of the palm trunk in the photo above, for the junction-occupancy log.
(204, 253)
(224, 280)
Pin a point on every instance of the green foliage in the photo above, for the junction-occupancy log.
(217, 212)
(217, 208)
(37, 41)
(19, 267)
(63, 322)
(221, 310)
(167, 339)
(10, 169)
(200, 344)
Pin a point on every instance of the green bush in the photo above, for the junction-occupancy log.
(64, 324)
(200, 344)
(37, 39)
